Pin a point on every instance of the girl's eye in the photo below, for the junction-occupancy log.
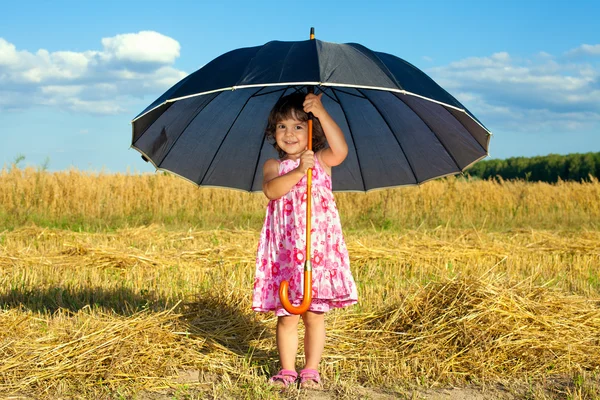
(299, 127)
(280, 126)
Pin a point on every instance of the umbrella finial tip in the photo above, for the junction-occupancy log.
(312, 33)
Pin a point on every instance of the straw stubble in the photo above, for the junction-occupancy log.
(136, 309)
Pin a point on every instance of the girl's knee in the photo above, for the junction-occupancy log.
(288, 322)
(313, 318)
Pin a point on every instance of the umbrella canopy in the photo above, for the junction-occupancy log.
(401, 127)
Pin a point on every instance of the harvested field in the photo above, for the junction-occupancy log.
(156, 313)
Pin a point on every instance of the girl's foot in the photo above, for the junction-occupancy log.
(310, 379)
(284, 378)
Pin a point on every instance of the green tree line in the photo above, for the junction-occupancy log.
(570, 167)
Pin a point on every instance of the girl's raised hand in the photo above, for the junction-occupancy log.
(312, 103)
(307, 160)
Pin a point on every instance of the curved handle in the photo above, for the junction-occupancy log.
(283, 294)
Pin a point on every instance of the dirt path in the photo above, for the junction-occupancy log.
(339, 392)
(431, 394)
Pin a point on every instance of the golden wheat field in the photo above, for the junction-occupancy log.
(138, 287)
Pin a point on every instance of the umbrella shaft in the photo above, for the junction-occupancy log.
(283, 288)
(309, 193)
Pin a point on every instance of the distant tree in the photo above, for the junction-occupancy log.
(550, 168)
(589, 167)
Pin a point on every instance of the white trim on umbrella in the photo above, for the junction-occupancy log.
(148, 159)
(327, 84)
(337, 191)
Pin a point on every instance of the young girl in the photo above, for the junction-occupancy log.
(283, 238)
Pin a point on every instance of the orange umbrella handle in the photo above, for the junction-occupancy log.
(283, 288)
(303, 307)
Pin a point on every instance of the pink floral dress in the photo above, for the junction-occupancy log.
(283, 243)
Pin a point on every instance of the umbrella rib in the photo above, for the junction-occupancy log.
(392, 132)
(434, 132)
(297, 89)
(327, 94)
(261, 147)
(133, 139)
(387, 71)
(353, 141)
(183, 130)
(258, 94)
(225, 136)
(348, 93)
(466, 129)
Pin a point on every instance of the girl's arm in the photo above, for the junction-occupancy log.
(275, 186)
(338, 148)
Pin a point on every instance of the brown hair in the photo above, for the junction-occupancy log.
(290, 106)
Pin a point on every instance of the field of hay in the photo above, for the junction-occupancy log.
(138, 287)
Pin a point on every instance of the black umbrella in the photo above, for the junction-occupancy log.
(401, 127)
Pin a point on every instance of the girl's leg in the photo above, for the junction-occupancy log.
(314, 338)
(287, 341)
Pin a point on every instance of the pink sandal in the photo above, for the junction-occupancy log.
(284, 378)
(310, 379)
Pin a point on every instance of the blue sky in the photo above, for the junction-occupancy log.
(74, 73)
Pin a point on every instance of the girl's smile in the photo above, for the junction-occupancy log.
(291, 136)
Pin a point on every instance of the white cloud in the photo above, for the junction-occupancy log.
(145, 46)
(96, 107)
(129, 65)
(8, 53)
(541, 92)
(585, 49)
(61, 91)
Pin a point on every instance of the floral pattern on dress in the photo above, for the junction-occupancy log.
(282, 248)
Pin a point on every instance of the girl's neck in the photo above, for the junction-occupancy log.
(291, 157)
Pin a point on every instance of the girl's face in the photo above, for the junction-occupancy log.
(291, 136)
